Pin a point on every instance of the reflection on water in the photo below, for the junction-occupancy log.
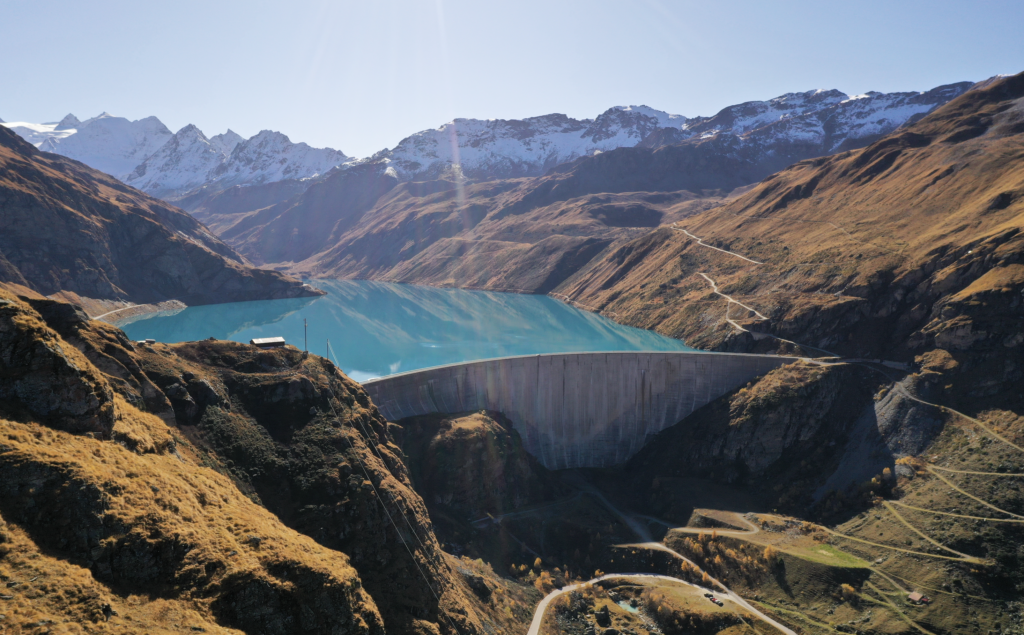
(379, 329)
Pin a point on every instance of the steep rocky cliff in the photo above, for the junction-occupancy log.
(255, 490)
(67, 227)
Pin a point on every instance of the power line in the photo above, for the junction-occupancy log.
(376, 450)
(412, 555)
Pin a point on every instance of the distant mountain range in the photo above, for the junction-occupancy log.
(148, 156)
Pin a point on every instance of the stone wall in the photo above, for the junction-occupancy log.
(575, 409)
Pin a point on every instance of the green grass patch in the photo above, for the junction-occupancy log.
(827, 555)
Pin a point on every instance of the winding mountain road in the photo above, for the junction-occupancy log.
(538, 615)
(647, 542)
(704, 244)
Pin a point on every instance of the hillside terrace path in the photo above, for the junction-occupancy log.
(704, 244)
(762, 318)
(732, 300)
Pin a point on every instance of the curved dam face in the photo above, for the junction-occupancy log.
(575, 409)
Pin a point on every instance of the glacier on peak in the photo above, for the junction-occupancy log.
(110, 144)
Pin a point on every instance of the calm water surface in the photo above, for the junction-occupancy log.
(378, 329)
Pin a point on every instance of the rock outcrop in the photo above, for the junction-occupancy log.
(45, 378)
(473, 464)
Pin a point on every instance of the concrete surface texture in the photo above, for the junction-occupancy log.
(575, 409)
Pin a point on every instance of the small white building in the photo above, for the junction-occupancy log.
(267, 342)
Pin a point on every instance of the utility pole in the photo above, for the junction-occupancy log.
(305, 340)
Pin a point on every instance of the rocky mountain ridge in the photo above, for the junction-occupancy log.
(146, 155)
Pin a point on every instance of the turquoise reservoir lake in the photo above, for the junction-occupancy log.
(379, 329)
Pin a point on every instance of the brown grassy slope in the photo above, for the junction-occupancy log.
(845, 447)
(908, 244)
(518, 234)
(125, 516)
(266, 420)
(67, 227)
(485, 236)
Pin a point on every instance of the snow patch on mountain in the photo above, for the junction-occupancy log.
(504, 148)
(271, 156)
(751, 115)
(852, 119)
(181, 164)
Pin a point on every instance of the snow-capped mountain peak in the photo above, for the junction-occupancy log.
(271, 156)
(665, 120)
(69, 122)
(751, 115)
(181, 164)
(226, 142)
(504, 148)
(148, 156)
(112, 144)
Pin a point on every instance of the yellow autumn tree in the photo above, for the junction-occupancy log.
(544, 583)
(848, 593)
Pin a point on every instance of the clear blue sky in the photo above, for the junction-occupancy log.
(360, 76)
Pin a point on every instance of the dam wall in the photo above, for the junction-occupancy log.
(575, 409)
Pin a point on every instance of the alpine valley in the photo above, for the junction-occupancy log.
(867, 481)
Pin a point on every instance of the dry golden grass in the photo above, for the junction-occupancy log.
(931, 208)
(55, 596)
(159, 498)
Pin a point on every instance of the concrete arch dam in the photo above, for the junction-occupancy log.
(575, 409)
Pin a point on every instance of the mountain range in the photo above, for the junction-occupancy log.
(472, 229)
(147, 155)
